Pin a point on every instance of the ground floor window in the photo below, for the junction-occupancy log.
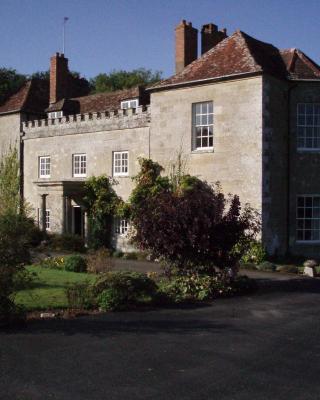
(121, 226)
(48, 220)
(308, 218)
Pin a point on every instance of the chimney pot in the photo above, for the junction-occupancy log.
(186, 45)
(211, 36)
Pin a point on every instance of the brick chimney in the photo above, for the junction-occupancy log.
(186, 45)
(210, 36)
(59, 76)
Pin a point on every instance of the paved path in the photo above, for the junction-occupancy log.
(264, 346)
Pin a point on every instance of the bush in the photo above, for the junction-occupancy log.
(186, 222)
(67, 242)
(130, 256)
(100, 261)
(290, 269)
(118, 290)
(248, 266)
(53, 263)
(80, 296)
(202, 287)
(255, 253)
(267, 267)
(118, 254)
(75, 263)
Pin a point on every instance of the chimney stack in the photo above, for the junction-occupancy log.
(186, 45)
(59, 75)
(210, 36)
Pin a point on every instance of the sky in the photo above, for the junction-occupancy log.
(106, 35)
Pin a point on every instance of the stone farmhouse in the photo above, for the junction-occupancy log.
(243, 113)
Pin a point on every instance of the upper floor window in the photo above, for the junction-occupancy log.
(79, 165)
(132, 103)
(44, 167)
(308, 126)
(120, 163)
(55, 114)
(308, 218)
(47, 219)
(202, 125)
(121, 226)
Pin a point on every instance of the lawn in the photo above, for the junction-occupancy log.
(48, 288)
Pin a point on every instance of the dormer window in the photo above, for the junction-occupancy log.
(55, 114)
(131, 103)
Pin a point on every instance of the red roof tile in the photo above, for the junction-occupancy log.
(32, 97)
(99, 102)
(241, 54)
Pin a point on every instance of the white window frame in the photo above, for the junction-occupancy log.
(121, 226)
(55, 114)
(46, 167)
(308, 127)
(124, 163)
(82, 160)
(308, 218)
(130, 103)
(202, 126)
(48, 220)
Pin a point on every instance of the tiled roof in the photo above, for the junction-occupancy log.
(300, 66)
(99, 102)
(241, 54)
(32, 97)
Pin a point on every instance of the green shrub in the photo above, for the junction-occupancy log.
(255, 254)
(118, 290)
(53, 263)
(290, 269)
(67, 242)
(130, 256)
(99, 261)
(75, 263)
(248, 266)
(267, 267)
(118, 254)
(80, 296)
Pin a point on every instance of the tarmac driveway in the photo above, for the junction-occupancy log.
(264, 346)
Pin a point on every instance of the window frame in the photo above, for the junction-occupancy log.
(48, 219)
(210, 126)
(121, 163)
(45, 164)
(314, 127)
(128, 103)
(312, 218)
(55, 114)
(121, 226)
(79, 175)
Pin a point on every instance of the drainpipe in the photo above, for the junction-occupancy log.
(288, 165)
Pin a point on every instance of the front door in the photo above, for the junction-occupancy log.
(77, 221)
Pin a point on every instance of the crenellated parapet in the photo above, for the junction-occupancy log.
(89, 122)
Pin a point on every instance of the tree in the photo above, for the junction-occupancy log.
(121, 79)
(101, 202)
(9, 183)
(186, 222)
(10, 82)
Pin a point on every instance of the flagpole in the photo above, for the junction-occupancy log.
(65, 19)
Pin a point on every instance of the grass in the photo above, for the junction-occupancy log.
(48, 288)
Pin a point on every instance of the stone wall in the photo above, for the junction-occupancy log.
(9, 132)
(304, 166)
(236, 160)
(98, 137)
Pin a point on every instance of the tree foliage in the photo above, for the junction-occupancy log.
(9, 183)
(187, 222)
(10, 82)
(121, 79)
(101, 202)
